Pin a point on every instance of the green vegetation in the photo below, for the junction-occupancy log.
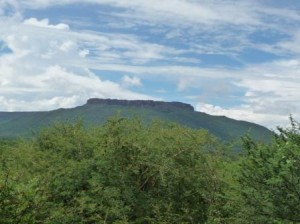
(270, 178)
(128, 171)
(24, 124)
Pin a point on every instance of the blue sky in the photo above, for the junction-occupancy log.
(225, 57)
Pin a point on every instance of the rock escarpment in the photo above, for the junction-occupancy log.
(142, 103)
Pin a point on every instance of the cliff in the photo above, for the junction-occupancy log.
(142, 103)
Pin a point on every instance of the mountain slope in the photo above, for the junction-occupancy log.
(96, 111)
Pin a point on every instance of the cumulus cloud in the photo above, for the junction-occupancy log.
(245, 112)
(131, 81)
(45, 24)
(58, 87)
(267, 93)
(84, 53)
(271, 94)
(45, 72)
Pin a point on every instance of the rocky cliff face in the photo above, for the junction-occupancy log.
(142, 103)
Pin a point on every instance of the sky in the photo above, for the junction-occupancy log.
(239, 59)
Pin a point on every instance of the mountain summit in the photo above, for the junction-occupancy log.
(142, 103)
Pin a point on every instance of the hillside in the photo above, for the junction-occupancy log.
(97, 111)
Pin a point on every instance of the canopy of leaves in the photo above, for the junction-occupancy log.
(121, 172)
(127, 171)
(270, 178)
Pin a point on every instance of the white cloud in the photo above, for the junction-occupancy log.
(57, 87)
(84, 53)
(245, 113)
(67, 46)
(131, 81)
(186, 12)
(201, 12)
(192, 11)
(47, 69)
(45, 24)
(270, 94)
(207, 20)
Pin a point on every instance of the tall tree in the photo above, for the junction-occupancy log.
(270, 178)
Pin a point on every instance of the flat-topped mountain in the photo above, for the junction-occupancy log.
(97, 111)
(142, 103)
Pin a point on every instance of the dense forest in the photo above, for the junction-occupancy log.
(127, 171)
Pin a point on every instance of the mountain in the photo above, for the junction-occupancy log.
(97, 111)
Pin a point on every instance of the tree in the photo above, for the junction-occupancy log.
(124, 171)
(270, 178)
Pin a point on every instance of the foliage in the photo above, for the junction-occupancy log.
(121, 172)
(270, 178)
(128, 171)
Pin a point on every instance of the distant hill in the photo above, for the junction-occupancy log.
(97, 111)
